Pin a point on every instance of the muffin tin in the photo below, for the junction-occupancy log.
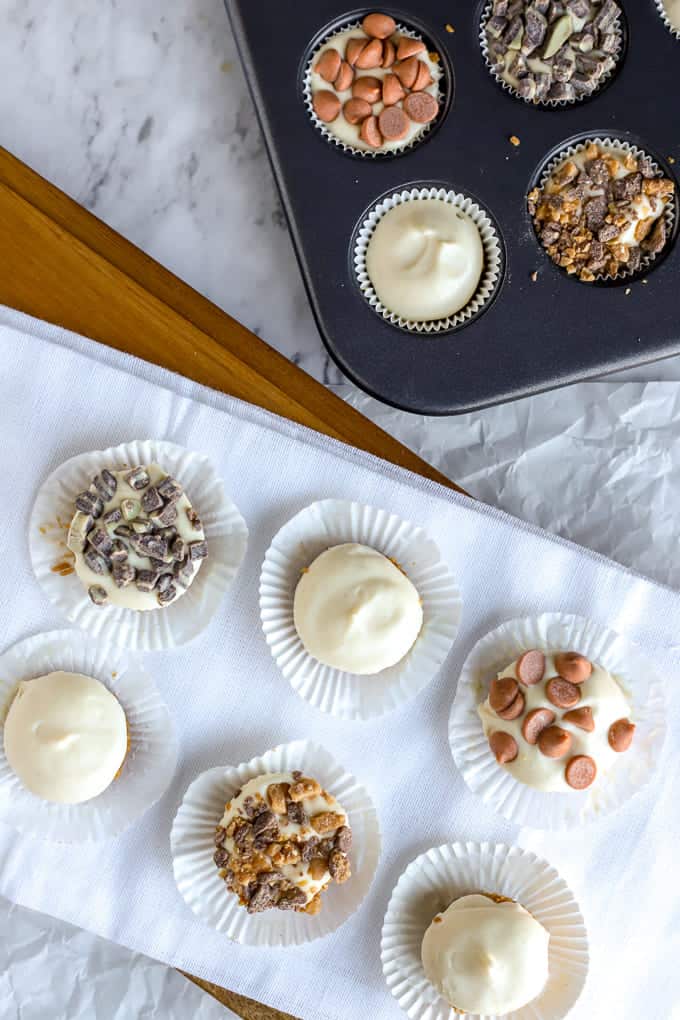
(542, 328)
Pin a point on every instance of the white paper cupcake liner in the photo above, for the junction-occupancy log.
(192, 842)
(523, 804)
(323, 128)
(660, 6)
(491, 272)
(181, 621)
(332, 522)
(150, 761)
(554, 104)
(435, 879)
(615, 144)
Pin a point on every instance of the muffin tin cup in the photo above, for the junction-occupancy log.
(549, 104)
(329, 136)
(491, 273)
(152, 630)
(666, 20)
(332, 522)
(443, 874)
(614, 145)
(152, 752)
(192, 842)
(523, 804)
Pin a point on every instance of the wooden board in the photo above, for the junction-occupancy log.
(60, 263)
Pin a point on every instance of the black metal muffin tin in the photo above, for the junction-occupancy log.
(533, 335)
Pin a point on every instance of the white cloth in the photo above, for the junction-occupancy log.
(62, 395)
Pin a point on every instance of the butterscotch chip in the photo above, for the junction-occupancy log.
(370, 56)
(328, 65)
(503, 747)
(326, 821)
(423, 78)
(407, 71)
(531, 667)
(581, 717)
(562, 693)
(536, 721)
(344, 78)
(502, 692)
(356, 110)
(407, 47)
(573, 666)
(370, 132)
(392, 90)
(353, 49)
(620, 735)
(314, 905)
(580, 771)
(276, 797)
(393, 123)
(389, 53)
(554, 742)
(379, 25)
(368, 88)
(514, 709)
(326, 105)
(302, 788)
(421, 107)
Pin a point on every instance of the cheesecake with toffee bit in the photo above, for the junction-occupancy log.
(281, 842)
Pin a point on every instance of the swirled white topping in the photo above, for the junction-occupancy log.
(425, 259)
(356, 611)
(486, 957)
(65, 736)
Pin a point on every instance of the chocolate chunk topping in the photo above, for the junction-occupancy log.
(130, 508)
(164, 597)
(112, 517)
(291, 899)
(123, 574)
(165, 516)
(98, 594)
(625, 188)
(194, 519)
(152, 499)
(95, 561)
(138, 478)
(118, 551)
(296, 813)
(100, 541)
(221, 857)
(105, 483)
(170, 489)
(343, 839)
(595, 211)
(146, 580)
(89, 503)
(198, 550)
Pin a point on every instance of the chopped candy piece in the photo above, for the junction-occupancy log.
(95, 562)
(152, 499)
(146, 580)
(89, 503)
(118, 552)
(165, 516)
(106, 485)
(178, 548)
(138, 478)
(194, 519)
(100, 541)
(112, 517)
(198, 550)
(123, 574)
(170, 489)
(166, 596)
(98, 594)
(130, 508)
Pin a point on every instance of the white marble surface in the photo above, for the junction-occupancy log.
(140, 112)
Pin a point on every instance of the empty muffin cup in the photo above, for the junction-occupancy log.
(669, 11)
(549, 54)
(428, 259)
(373, 87)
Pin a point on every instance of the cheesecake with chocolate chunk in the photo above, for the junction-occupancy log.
(138, 542)
(602, 210)
(281, 842)
(555, 720)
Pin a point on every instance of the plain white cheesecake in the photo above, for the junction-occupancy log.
(486, 957)
(65, 736)
(356, 611)
(425, 259)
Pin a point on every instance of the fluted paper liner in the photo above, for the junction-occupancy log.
(613, 145)
(322, 127)
(152, 753)
(443, 874)
(192, 842)
(552, 104)
(332, 522)
(491, 270)
(523, 804)
(661, 8)
(166, 627)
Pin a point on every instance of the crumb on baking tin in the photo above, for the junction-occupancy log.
(434, 57)
(449, 28)
(514, 140)
(627, 291)
(534, 276)
(671, 159)
(643, 282)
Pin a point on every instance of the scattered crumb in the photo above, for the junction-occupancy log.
(114, 674)
(226, 66)
(514, 140)
(534, 276)
(434, 57)
(437, 920)
(671, 159)
(449, 28)
(43, 531)
(627, 291)
(644, 283)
